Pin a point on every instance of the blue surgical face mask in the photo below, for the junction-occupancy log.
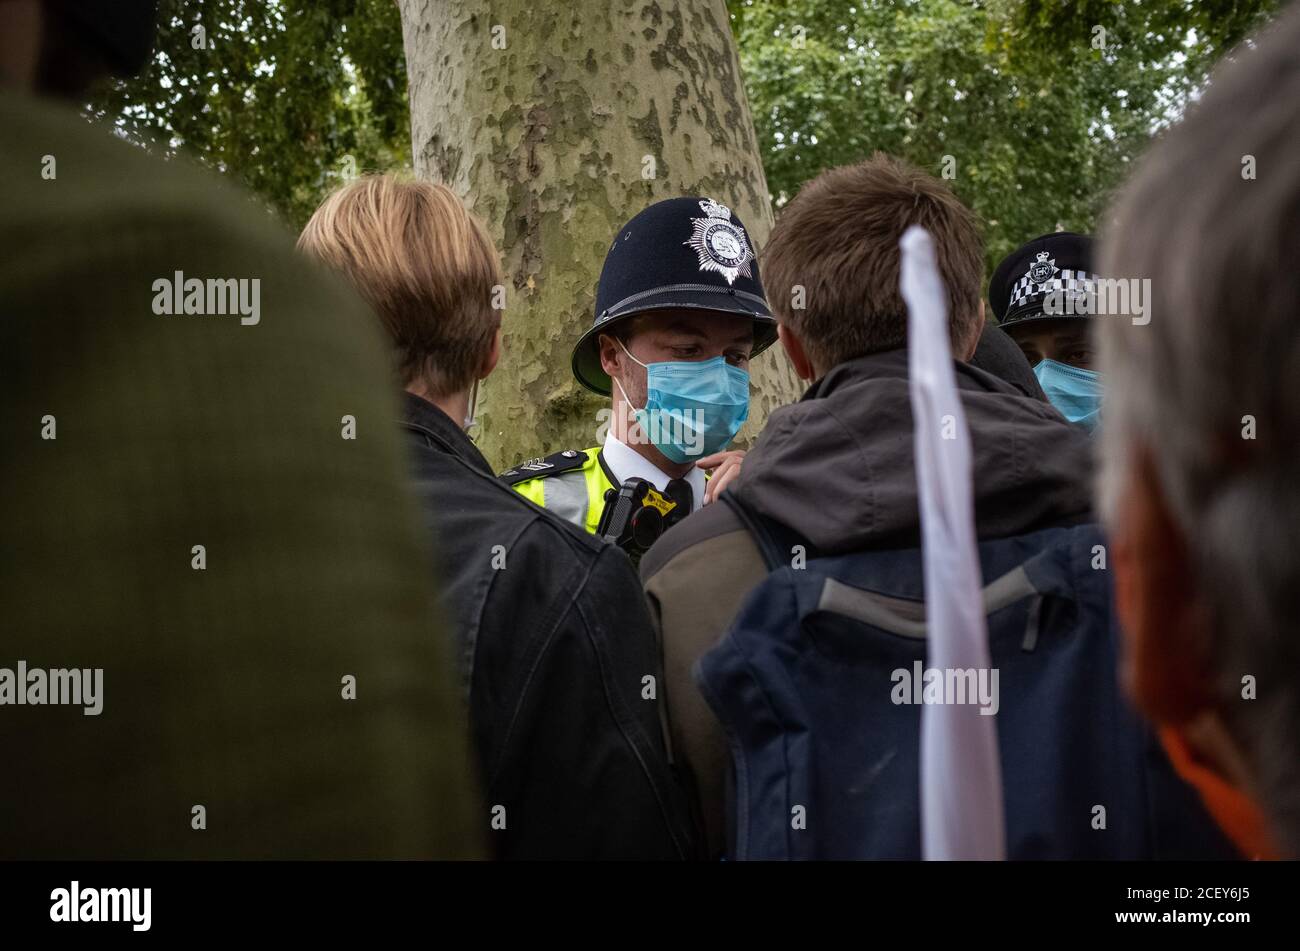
(1073, 391)
(693, 408)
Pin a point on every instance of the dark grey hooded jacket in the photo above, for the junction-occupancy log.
(837, 468)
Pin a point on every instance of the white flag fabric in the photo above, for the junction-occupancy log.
(961, 776)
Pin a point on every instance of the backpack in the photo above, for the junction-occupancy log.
(815, 685)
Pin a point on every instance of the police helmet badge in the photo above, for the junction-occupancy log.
(1041, 271)
(721, 245)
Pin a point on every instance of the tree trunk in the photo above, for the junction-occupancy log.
(551, 141)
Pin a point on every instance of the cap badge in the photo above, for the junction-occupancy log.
(1042, 270)
(721, 245)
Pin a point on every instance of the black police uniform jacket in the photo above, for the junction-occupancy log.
(555, 644)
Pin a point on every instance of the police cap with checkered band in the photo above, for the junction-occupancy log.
(1060, 262)
(683, 254)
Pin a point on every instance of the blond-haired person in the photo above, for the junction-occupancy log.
(551, 627)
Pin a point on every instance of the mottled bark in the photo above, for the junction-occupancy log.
(547, 140)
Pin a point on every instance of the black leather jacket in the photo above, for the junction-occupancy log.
(555, 643)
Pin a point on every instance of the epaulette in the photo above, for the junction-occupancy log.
(542, 467)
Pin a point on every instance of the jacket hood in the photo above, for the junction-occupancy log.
(838, 465)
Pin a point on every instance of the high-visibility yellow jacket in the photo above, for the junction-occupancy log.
(571, 483)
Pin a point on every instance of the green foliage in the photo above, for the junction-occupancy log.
(1040, 124)
(281, 95)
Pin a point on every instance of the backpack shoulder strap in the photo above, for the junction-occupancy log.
(774, 540)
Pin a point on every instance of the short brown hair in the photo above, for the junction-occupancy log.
(426, 266)
(838, 240)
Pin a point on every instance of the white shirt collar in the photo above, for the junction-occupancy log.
(626, 463)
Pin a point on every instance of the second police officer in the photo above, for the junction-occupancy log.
(1043, 294)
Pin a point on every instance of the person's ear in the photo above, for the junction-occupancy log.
(1167, 668)
(493, 356)
(794, 350)
(610, 355)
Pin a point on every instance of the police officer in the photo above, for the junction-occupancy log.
(680, 312)
(1043, 294)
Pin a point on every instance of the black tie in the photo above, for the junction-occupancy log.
(679, 491)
